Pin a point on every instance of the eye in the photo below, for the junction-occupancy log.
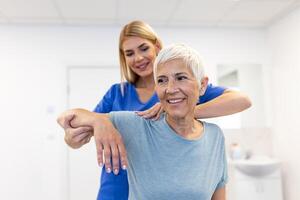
(129, 54)
(145, 48)
(162, 80)
(181, 78)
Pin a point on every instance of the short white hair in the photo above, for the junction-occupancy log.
(181, 51)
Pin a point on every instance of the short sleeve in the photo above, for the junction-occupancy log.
(211, 93)
(224, 178)
(105, 105)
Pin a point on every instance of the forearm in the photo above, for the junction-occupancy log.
(82, 117)
(228, 103)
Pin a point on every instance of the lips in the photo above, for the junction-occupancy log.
(142, 66)
(175, 101)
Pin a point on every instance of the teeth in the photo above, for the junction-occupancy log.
(142, 66)
(175, 100)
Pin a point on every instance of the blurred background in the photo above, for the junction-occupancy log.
(58, 54)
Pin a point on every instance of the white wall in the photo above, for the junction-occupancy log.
(284, 41)
(33, 63)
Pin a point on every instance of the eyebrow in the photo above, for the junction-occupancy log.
(181, 73)
(176, 74)
(141, 45)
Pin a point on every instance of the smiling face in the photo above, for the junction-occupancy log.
(177, 88)
(139, 55)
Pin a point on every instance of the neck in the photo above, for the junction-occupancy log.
(145, 82)
(187, 127)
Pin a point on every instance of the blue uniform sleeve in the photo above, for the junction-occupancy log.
(105, 105)
(211, 93)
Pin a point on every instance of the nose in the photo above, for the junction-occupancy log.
(171, 88)
(138, 57)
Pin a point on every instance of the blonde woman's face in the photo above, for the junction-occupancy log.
(140, 55)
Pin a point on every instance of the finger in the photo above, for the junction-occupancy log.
(107, 156)
(153, 112)
(78, 141)
(99, 148)
(74, 135)
(80, 130)
(83, 136)
(158, 114)
(123, 155)
(115, 158)
(156, 117)
(66, 121)
(86, 140)
(142, 113)
(148, 113)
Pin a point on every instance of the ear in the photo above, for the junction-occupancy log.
(204, 83)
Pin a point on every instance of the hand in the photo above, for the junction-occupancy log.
(152, 113)
(75, 137)
(108, 140)
(110, 144)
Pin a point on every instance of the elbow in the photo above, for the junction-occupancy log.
(246, 101)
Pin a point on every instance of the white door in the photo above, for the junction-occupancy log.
(87, 85)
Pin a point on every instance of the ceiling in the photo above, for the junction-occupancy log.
(211, 13)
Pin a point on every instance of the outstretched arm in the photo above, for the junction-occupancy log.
(228, 103)
(107, 138)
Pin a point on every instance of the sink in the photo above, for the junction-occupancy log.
(257, 165)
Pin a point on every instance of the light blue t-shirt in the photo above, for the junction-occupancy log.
(164, 166)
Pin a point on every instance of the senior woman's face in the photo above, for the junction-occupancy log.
(177, 88)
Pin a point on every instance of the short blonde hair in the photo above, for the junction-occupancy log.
(181, 51)
(138, 29)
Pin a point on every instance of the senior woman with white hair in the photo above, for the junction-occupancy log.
(176, 157)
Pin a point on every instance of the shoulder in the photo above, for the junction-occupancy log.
(117, 88)
(128, 123)
(125, 86)
(120, 114)
(213, 130)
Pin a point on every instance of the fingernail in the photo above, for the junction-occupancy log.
(101, 164)
(116, 171)
(108, 170)
(124, 167)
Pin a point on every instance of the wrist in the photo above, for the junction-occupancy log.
(99, 120)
